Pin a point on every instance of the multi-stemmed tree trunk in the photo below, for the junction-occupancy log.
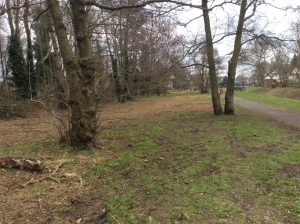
(80, 74)
(211, 62)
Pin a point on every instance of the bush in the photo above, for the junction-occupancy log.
(10, 109)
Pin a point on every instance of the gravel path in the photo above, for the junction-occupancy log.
(288, 116)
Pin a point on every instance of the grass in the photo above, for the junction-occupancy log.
(196, 172)
(250, 94)
(184, 166)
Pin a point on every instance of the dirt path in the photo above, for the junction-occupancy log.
(288, 116)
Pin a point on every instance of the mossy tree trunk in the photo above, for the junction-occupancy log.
(87, 123)
(80, 74)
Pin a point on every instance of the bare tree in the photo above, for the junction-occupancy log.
(200, 61)
(232, 64)
(295, 62)
(257, 56)
(80, 70)
(211, 61)
(5, 84)
(281, 65)
(29, 61)
(141, 45)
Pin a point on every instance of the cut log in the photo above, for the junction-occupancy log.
(21, 163)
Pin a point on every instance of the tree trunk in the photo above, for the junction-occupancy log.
(115, 71)
(58, 72)
(17, 19)
(202, 81)
(10, 21)
(88, 122)
(211, 62)
(232, 64)
(80, 74)
(30, 64)
(126, 73)
(119, 90)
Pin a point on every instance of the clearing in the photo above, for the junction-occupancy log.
(159, 160)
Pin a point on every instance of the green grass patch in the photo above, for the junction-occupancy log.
(250, 94)
(194, 170)
(185, 166)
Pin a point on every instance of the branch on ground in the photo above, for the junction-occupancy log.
(21, 163)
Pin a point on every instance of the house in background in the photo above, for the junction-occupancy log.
(270, 81)
(288, 80)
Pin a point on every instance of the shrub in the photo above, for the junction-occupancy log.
(10, 109)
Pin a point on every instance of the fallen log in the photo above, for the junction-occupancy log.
(21, 163)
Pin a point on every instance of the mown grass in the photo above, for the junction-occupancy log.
(186, 166)
(250, 94)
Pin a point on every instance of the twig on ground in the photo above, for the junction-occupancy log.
(31, 181)
(80, 179)
(58, 166)
(114, 218)
(56, 169)
(53, 178)
(50, 176)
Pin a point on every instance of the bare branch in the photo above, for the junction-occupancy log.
(195, 64)
(114, 8)
(41, 13)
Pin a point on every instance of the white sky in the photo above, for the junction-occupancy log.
(270, 18)
(278, 20)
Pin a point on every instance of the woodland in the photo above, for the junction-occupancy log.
(111, 111)
(73, 57)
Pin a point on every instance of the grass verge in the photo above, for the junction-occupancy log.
(254, 94)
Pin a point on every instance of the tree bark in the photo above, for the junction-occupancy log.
(80, 75)
(58, 72)
(88, 122)
(17, 18)
(211, 62)
(30, 64)
(10, 21)
(115, 72)
(232, 64)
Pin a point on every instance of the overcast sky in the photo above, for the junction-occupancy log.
(269, 18)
